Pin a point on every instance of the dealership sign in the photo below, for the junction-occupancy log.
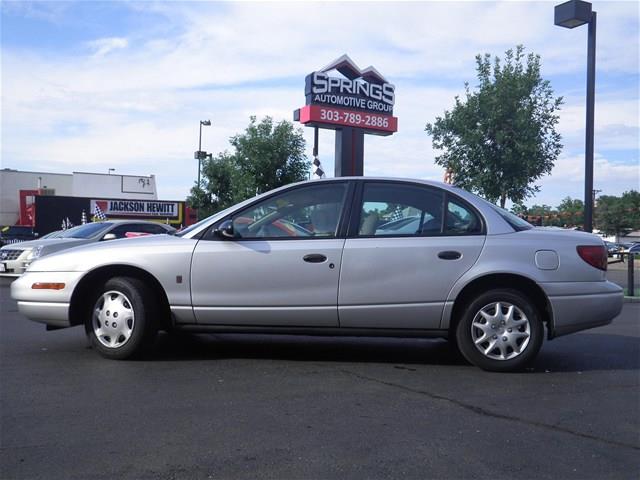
(137, 208)
(361, 99)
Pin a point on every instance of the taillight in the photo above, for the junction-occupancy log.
(594, 255)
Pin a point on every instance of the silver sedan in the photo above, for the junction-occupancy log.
(334, 257)
(16, 257)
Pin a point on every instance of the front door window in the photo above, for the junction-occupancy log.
(310, 212)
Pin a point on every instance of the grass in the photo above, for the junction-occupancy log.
(636, 291)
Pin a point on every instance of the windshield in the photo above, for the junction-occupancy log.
(85, 231)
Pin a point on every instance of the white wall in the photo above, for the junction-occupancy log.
(78, 184)
(12, 181)
(102, 185)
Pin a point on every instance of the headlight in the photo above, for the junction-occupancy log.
(35, 253)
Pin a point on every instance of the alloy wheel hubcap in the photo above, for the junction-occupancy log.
(113, 319)
(500, 331)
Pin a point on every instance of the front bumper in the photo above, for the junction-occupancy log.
(54, 314)
(45, 306)
(578, 306)
(14, 267)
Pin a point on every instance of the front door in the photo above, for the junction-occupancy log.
(282, 266)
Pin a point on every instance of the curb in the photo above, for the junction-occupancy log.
(631, 299)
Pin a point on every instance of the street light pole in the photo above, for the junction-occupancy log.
(588, 147)
(205, 123)
(572, 14)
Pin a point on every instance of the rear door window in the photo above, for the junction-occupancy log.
(390, 209)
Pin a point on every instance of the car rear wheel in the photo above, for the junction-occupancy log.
(121, 323)
(500, 331)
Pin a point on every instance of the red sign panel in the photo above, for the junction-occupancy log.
(332, 116)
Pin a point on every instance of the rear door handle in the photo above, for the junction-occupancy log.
(449, 255)
(314, 258)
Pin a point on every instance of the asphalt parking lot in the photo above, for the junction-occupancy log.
(229, 406)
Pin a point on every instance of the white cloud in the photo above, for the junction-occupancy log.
(567, 178)
(135, 104)
(103, 46)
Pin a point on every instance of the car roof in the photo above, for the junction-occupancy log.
(126, 222)
(119, 220)
(432, 183)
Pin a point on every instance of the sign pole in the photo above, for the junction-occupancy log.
(349, 152)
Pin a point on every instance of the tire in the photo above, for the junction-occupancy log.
(500, 342)
(121, 322)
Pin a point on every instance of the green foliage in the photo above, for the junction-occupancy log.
(613, 215)
(502, 137)
(618, 215)
(265, 156)
(544, 215)
(571, 211)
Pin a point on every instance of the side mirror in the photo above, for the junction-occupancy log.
(225, 230)
(109, 236)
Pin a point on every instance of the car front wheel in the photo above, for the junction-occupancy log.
(500, 331)
(121, 323)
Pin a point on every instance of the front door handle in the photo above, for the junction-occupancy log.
(449, 255)
(314, 258)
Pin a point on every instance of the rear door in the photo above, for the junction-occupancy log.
(407, 246)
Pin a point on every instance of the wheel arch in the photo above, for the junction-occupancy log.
(513, 281)
(81, 295)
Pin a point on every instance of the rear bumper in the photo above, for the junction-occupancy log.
(578, 306)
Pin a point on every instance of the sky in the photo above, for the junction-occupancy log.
(88, 85)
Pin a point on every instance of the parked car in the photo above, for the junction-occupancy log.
(613, 249)
(15, 258)
(634, 249)
(54, 234)
(483, 278)
(15, 234)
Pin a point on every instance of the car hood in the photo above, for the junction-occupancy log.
(46, 243)
(125, 251)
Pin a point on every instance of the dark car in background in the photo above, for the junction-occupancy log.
(613, 249)
(16, 233)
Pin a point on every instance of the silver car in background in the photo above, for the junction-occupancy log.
(16, 257)
(326, 258)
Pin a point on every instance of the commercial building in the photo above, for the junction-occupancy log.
(44, 200)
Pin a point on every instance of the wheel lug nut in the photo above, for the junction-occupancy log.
(495, 336)
(504, 339)
(509, 330)
(115, 314)
(493, 326)
(107, 313)
(114, 325)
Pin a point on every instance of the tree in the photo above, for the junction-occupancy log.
(571, 212)
(618, 215)
(272, 156)
(544, 215)
(265, 156)
(502, 137)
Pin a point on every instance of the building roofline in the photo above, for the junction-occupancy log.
(115, 174)
(14, 170)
